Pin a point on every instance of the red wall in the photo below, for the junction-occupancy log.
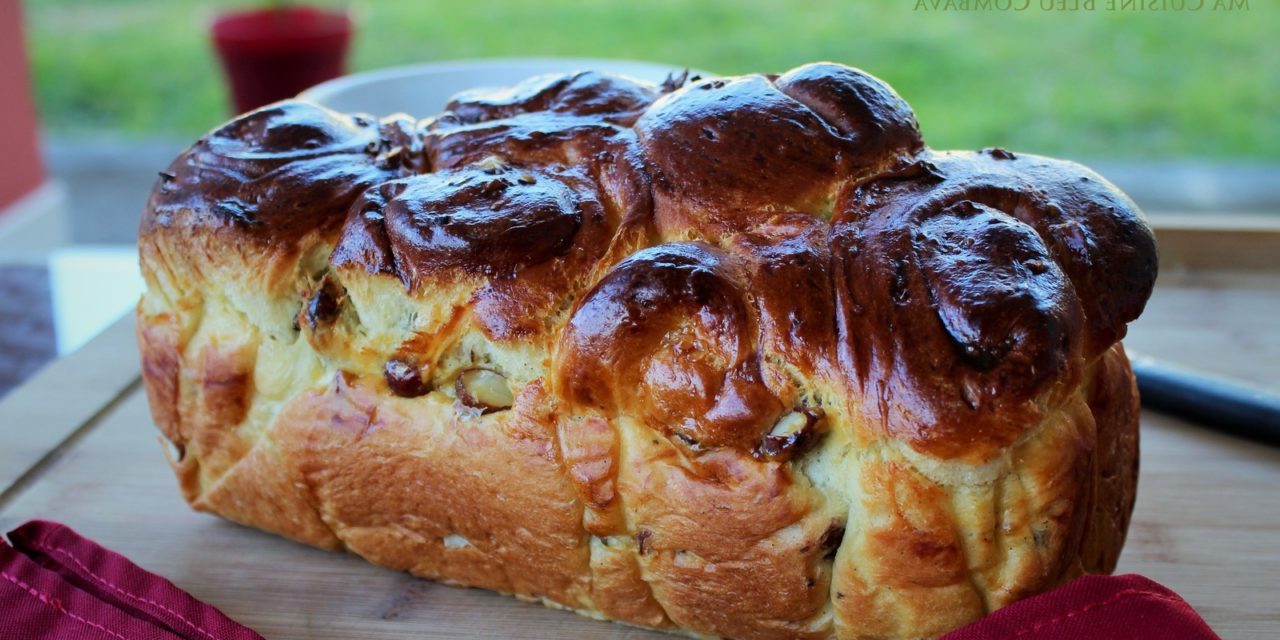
(20, 167)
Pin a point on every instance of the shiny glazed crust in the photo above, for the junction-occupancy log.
(730, 357)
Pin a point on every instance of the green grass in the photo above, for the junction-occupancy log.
(1200, 84)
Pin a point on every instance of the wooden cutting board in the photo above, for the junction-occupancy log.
(77, 445)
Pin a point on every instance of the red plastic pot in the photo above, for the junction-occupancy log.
(272, 54)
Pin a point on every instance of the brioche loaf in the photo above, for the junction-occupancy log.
(731, 357)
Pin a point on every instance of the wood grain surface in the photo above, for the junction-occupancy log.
(1207, 523)
(43, 415)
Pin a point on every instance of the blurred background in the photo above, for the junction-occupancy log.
(1178, 107)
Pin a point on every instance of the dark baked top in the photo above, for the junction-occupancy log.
(709, 253)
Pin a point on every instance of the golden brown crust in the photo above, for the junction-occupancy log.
(1113, 399)
(667, 338)
(161, 366)
(735, 357)
(439, 502)
(277, 174)
(730, 546)
(1094, 233)
(981, 323)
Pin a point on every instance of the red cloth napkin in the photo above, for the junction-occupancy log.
(1127, 607)
(55, 584)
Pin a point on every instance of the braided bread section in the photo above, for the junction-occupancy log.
(733, 357)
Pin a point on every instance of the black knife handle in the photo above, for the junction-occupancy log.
(1224, 405)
